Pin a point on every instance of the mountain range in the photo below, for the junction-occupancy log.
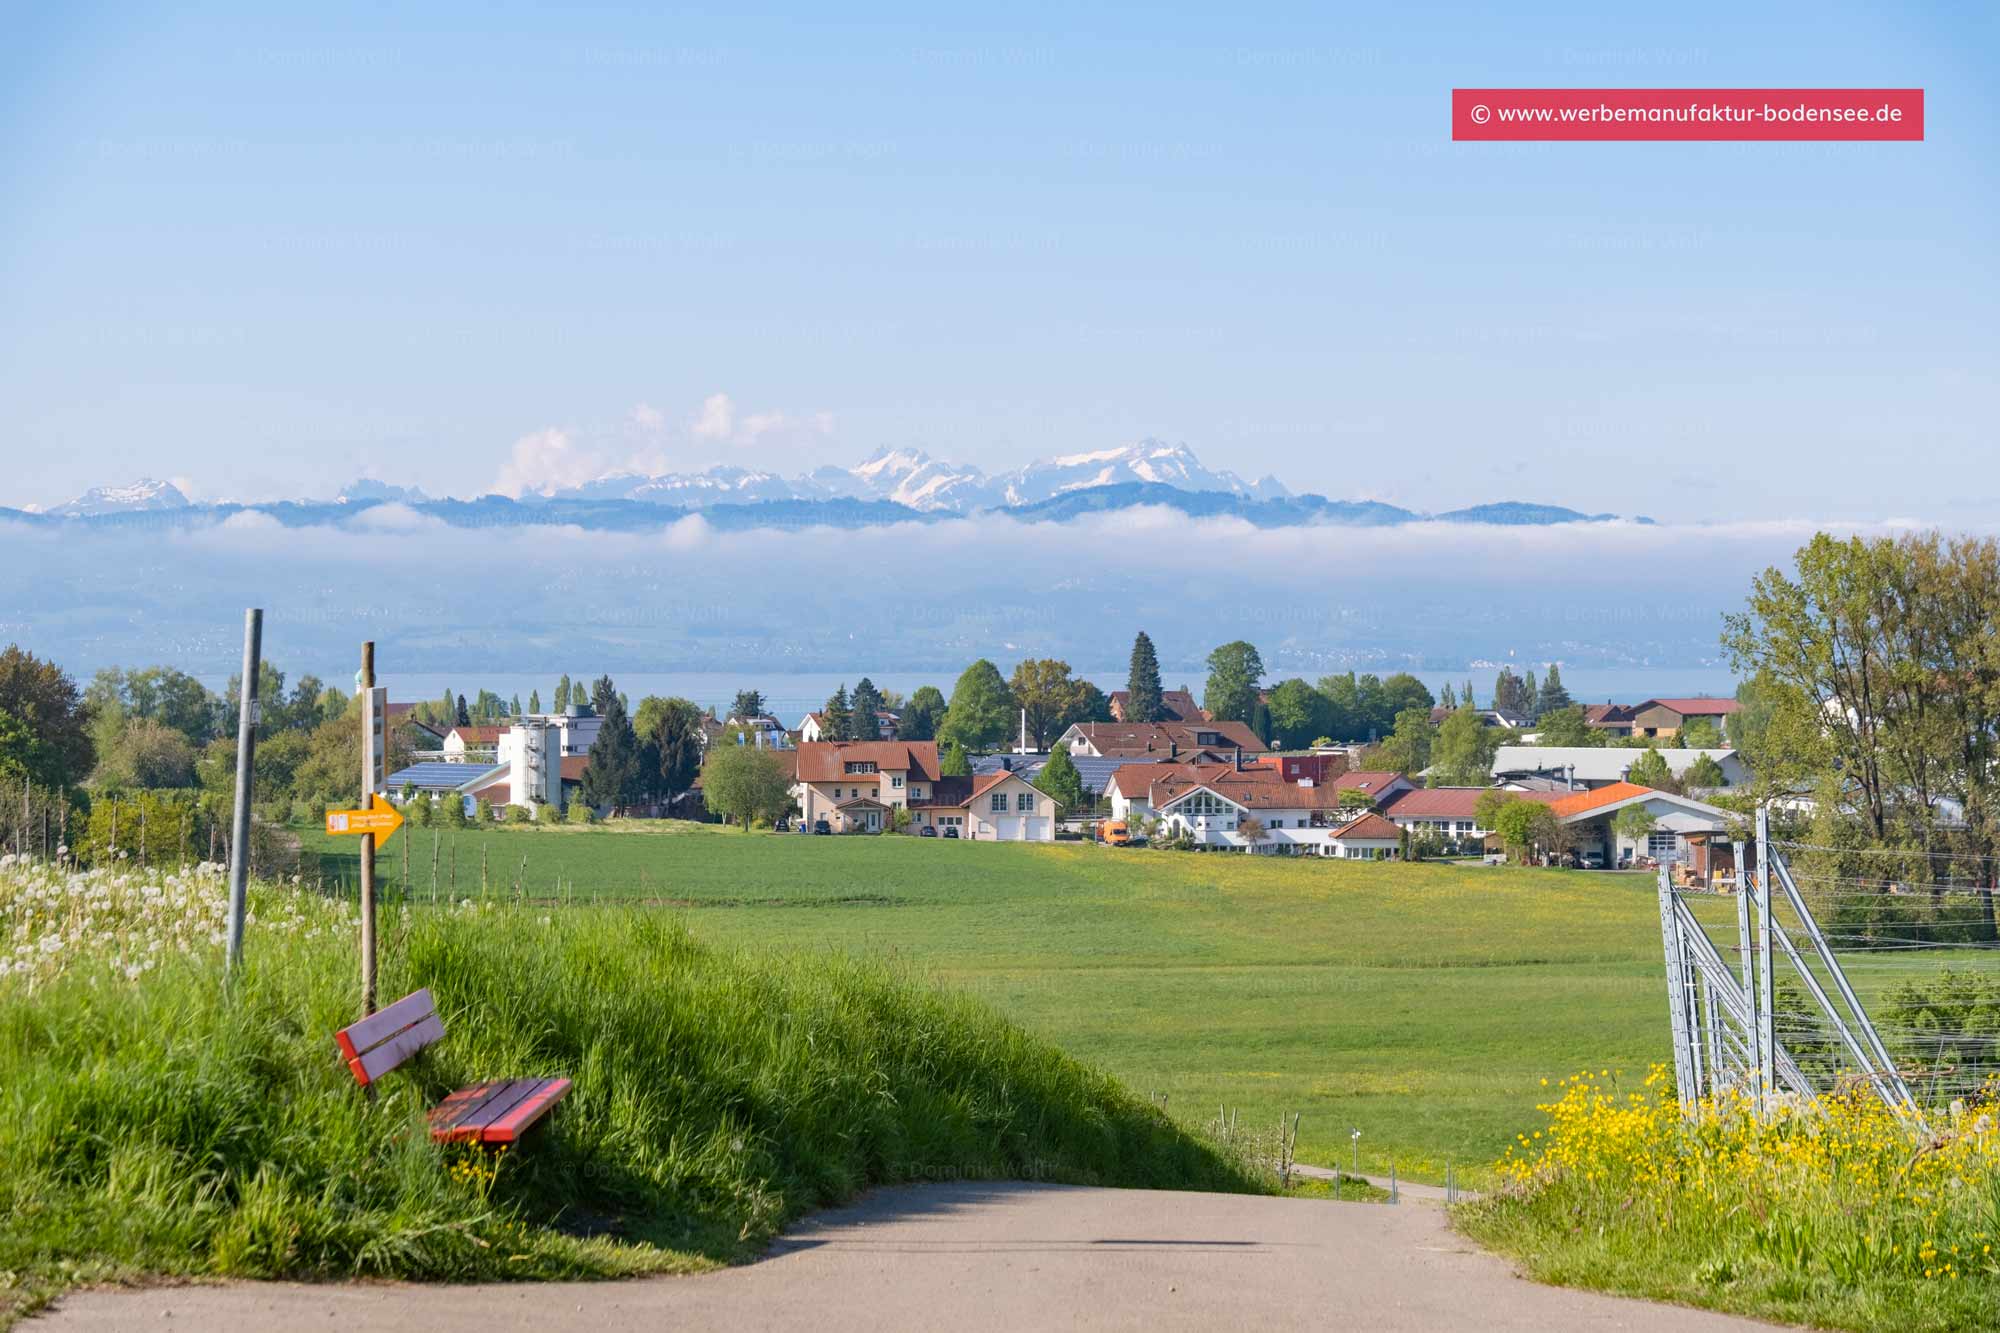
(915, 480)
(891, 486)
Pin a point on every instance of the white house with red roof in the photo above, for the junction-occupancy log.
(858, 785)
(1001, 806)
(1253, 807)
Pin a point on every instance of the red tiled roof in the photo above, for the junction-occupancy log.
(1435, 803)
(1251, 787)
(573, 766)
(1369, 826)
(499, 794)
(826, 761)
(1141, 739)
(1364, 780)
(1178, 705)
(1693, 707)
(1606, 715)
(479, 735)
(1581, 802)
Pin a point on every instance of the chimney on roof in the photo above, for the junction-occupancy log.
(1173, 749)
(1239, 758)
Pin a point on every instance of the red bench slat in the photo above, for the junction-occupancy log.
(371, 1065)
(383, 1040)
(379, 1026)
(471, 1121)
(495, 1112)
(516, 1122)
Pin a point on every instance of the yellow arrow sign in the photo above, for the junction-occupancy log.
(382, 820)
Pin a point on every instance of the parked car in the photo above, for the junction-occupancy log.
(927, 832)
(1593, 860)
(821, 827)
(951, 831)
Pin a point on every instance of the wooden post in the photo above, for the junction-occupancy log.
(367, 845)
(246, 752)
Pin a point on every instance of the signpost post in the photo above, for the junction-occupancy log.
(246, 750)
(374, 708)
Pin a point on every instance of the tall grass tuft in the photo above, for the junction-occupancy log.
(153, 1121)
(1836, 1214)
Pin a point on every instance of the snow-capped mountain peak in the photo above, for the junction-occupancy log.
(914, 478)
(144, 494)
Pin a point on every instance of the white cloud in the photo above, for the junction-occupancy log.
(545, 460)
(647, 417)
(717, 420)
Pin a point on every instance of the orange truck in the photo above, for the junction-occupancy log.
(1114, 833)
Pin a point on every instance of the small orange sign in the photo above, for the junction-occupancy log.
(382, 819)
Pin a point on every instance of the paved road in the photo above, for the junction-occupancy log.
(974, 1257)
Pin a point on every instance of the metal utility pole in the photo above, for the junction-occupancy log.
(369, 765)
(247, 717)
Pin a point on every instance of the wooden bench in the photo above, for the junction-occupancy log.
(496, 1112)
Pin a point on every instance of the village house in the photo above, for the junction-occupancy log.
(1175, 706)
(1609, 718)
(761, 729)
(1172, 741)
(1681, 824)
(1000, 806)
(1210, 802)
(1659, 718)
(812, 727)
(466, 745)
(858, 785)
(1585, 766)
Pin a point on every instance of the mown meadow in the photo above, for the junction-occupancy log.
(1419, 1003)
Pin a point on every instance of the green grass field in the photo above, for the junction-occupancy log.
(1422, 1004)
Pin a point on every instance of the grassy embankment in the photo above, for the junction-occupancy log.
(154, 1122)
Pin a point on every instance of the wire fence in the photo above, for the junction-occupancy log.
(1866, 967)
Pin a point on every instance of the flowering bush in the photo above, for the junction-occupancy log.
(1836, 1211)
(122, 922)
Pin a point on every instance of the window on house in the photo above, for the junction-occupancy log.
(997, 803)
(897, 782)
(1025, 803)
(1663, 845)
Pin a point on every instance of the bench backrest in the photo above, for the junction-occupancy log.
(386, 1038)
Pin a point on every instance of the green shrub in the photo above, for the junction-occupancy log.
(580, 813)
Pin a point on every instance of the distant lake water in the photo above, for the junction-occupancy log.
(792, 695)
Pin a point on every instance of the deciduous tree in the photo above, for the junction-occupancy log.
(1299, 713)
(1462, 754)
(54, 748)
(746, 783)
(1049, 696)
(1233, 672)
(982, 710)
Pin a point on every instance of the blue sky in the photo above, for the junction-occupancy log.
(270, 253)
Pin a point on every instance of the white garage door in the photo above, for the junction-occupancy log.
(1009, 829)
(1038, 829)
